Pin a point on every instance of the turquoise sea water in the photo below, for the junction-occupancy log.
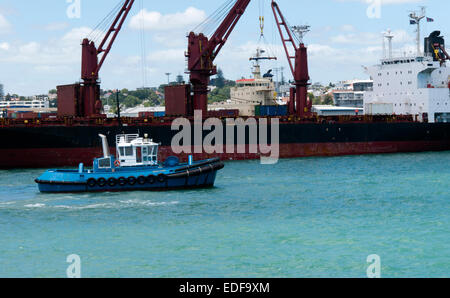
(314, 217)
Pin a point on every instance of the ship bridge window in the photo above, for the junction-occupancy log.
(152, 154)
(126, 151)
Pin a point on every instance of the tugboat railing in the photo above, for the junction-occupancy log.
(128, 138)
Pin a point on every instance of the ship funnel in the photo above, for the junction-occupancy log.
(105, 146)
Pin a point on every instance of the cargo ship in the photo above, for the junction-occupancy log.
(418, 121)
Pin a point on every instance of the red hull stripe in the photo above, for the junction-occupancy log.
(62, 157)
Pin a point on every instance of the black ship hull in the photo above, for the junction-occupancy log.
(32, 146)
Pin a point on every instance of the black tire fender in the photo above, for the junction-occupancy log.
(122, 181)
(132, 180)
(162, 178)
(141, 180)
(101, 182)
(112, 182)
(91, 182)
(151, 179)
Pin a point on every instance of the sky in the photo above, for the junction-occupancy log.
(40, 40)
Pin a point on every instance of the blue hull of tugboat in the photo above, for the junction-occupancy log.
(201, 174)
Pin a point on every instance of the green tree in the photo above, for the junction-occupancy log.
(131, 101)
(219, 94)
(220, 79)
(53, 91)
(328, 100)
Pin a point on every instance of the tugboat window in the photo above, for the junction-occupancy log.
(104, 163)
(128, 151)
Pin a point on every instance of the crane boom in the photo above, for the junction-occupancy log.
(88, 94)
(115, 27)
(298, 64)
(90, 65)
(203, 51)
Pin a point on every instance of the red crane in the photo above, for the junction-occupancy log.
(87, 94)
(298, 64)
(202, 52)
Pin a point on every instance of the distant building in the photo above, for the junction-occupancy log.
(134, 112)
(25, 104)
(2, 93)
(41, 97)
(351, 93)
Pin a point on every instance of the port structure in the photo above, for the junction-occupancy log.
(298, 62)
(83, 99)
(202, 51)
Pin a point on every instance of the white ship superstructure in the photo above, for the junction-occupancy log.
(418, 85)
(249, 93)
(410, 86)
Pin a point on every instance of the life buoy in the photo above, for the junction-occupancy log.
(131, 180)
(101, 182)
(112, 182)
(122, 181)
(92, 182)
(162, 178)
(117, 163)
(151, 179)
(141, 180)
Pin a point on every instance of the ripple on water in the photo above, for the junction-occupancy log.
(313, 217)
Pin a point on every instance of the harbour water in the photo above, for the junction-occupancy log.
(314, 217)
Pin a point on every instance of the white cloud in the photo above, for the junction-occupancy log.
(369, 38)
(383, 1)
(155, 21)
(56, 26)
(347, 28)
(49, 54)
(168, 55)
(5, 26)
(4, 46)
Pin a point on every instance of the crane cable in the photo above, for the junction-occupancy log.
(219, 17)
(210, 24)
(99, 31)
(262, 38)
(261, 17)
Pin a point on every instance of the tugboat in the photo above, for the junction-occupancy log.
(136, 168)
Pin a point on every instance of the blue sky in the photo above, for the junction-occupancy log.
(39, 43)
